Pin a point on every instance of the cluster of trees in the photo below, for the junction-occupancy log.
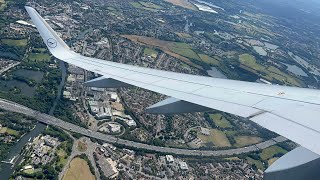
(65, 112)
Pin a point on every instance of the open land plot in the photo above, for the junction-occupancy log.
(150, 5)
(183, 35)
(3, 4)
(150, 52)
(209, 60)
(39, 57)
(5, 130)
(272, 160)
(183, 3)
(82, 146)
(258, 163)
(146, 6)
(167, 47)
(78, 170)
(62, 155)
(216, 137)
(271, 151)
(246, 140)
(220, 121)
(15, 42)
(249, 63)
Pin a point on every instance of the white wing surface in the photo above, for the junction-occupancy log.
(289, 111)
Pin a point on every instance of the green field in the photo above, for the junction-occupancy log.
(220, 121)
(209, 60)
(270, 73)
(150, 52)
(184, 51)
(15, 42)
(258, 163)
(5, 130)
(39, 57)
(183, 35)
(216, 137)
(150, 5)
(145, 6)
(62, 157)
(271, 151)
(3, 4)
(246, 140)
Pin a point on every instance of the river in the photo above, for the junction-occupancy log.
(7, 169)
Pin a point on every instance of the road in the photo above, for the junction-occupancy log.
(50, 120)
(9, 67)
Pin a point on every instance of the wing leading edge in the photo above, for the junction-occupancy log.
(289, 111)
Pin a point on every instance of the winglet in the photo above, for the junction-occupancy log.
(55, 44)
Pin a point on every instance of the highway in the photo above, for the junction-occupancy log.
(50, 120)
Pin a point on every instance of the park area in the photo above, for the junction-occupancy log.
(216, 138)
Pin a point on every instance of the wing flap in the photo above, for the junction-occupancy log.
(296, 132)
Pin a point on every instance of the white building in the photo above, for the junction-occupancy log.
(131, 123)
(205, 131)
(115, 128)
(183, 166)
(169, 159)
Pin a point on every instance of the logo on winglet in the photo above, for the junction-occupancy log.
(52, 43)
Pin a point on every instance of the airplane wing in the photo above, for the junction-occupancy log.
(291, 112)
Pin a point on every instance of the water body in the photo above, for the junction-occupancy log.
(9, 55)
(296, 70)
(214, 72)
(205, 8)
(6, 169)
(209, 4)
(24, 87)
(260, 50)
(270, 46)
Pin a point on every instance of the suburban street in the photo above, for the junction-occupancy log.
(50, 120)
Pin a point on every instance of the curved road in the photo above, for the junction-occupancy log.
(47, 119)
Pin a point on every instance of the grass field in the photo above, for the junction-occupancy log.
(183, 35)
(258, 163)
(272, 160)
(209, 60)
(78, 170)
(246, 140)
(271, 151)
(220, 121)
(146, 6)
(249, 62)
(82, 146)
(5, 130)
(232, 159)
(217, 137)
(3, 4)
(15, 42)
(62, 157)
(150, 5)
(182, 50)
(150, 52)
(183, 3)
(39, 57)
(186, 52)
